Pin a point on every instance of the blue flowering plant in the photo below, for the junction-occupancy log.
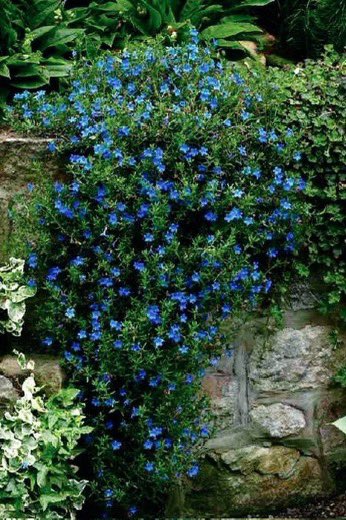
(176, 211)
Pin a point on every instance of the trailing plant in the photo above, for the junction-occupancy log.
(39, 440)
(176, 212)
(14, 290)
(310, 99)
(230, 22)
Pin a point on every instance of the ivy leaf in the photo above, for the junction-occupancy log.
(341, 424)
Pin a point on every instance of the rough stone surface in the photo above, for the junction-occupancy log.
(278, 420)
(48, 372)
(17, 160)
(274, 445)
(293, 360)
(7, 391)
(251, 481)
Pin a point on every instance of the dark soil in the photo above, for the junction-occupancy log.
(334, 507)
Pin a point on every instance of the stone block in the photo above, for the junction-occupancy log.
(278, 420)
(48, 372)
(17, 159)
(7, 391)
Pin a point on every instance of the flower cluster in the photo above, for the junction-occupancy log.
(175, 208)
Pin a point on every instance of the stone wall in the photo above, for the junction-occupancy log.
(274, 400)
(48, 375)
(18, 157)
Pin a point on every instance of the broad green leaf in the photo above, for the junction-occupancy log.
(35, 82)
(41, 31)
(59, 36)
(22, 293)
(226, 30)
(57, 67)
(5, 71)
(16, 311)
(254, 3)
(27, 70)
(44, 10)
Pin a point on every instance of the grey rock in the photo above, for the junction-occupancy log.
(293, 360)
(48, 372)
(18, 156)
(7, 391)
(278, 420)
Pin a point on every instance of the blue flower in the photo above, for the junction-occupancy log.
(234, 214)
(53, 273)
(153, 313)
(149, 466)
(32, 260)
(70, 313)
(116, 445)
(148, 445)
(193, 471)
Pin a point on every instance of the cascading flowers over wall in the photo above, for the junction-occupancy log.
(176, 211)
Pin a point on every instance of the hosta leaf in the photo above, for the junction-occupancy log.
(110, 7)
(59, 36)
(57, 67)
(155, 19)
(253, 3)
(41, 31)
(229, 29)
(195, 11)
(5, 71)
(32, 83)
(125, 6)
(43, 12)
(23, 293)
(27, 70)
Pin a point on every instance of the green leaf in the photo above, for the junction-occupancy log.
(32, 83)
(253, 3)
(41, 31)
(45, 500)
(42, 475)
(341, 424)
(44, 10)
(229, 29)
(5, 71)
(57, 67)
(59, 36)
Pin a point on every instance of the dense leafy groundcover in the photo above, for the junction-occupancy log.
(176, 211)
(39, 440)
(310, 99)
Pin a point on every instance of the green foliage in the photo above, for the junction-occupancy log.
(229, 22)
(311, 100)
(39, 440)
(101, 23)
(308, 25)
(176, 212)
(38, 36)
(34, 42)
(13, 293)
